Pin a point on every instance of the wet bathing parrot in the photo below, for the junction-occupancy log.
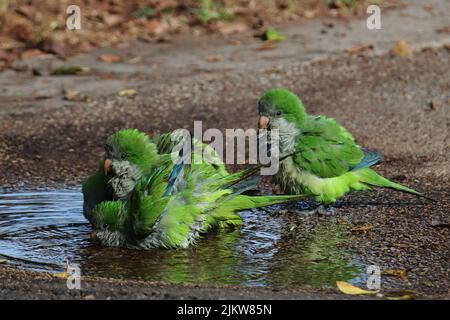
(326, 162)
(140, 198)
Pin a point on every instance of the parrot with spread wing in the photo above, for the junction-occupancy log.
(143, 196)
(326, 162)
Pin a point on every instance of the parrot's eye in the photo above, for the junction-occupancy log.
(105, 226)
(123, 156)
(279, 113)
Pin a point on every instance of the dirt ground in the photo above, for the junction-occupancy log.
(397, 105)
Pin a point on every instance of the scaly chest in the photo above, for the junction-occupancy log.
(294, 180)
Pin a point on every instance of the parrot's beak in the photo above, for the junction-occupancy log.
(94, 235)
(263, 122)
(107, 166)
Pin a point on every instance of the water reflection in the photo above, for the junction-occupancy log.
(38, 230)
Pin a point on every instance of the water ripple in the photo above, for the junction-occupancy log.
(40, 229)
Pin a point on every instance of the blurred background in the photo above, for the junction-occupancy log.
(29, 28)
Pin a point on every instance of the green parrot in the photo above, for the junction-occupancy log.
(326, 163)
(142, 198)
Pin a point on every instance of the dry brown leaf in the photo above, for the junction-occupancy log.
(216, 58)
(89, 297)
(402, 49)
(135, 60)
(26, 11)
(52, 46)
(127, 93)
(157, 27)
(31, 53)
(350, 289)
(269, 45)
(363, 228)
(43, 94)
(110, 58)
(400, 273)
(232, 27)
(71, 95)
(112, 19)
(444, 30)
(360, 48)
(309, 14)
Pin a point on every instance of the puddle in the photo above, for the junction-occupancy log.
(38, 230)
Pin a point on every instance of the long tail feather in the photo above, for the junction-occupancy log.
(370, 177)
(243, 202)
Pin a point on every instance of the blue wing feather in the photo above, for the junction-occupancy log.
(370, 158)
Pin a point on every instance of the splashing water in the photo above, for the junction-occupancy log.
(39, 230)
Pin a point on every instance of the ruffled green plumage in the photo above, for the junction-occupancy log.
(169, 207)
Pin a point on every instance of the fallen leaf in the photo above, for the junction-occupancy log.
(234, 42)
(273, 35)
(89, 297)
(71, 95)
(26, 11)
(61, 275)
(309, 14)
(400, 273)
(363, 228)
(65, 274)
(110, 58)
(360, 48)
(31, 53)
(230, 28)
(135, 60)
(86, 98)
(43, 94)
(4, 261)
(216, 58)
(52, 46)
(127, 93)
(402, 49)
(157, 27)
(70, 70)
(266, 46)
(433, 105)
(348, 288)
(444, 30)
(400, 295)
(112, 19)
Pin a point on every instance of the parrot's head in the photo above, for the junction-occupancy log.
(129, 156)
(280, 109)
(109, 223)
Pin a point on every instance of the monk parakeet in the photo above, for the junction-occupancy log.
(326, 162)
(153, 201)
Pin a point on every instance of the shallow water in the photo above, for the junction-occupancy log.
(39, 230)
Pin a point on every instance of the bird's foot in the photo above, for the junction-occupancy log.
(325, 210)
(321, 210)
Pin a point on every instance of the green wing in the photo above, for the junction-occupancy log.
(95, 190)
(176, 219)
(326, 149)
(165, 142)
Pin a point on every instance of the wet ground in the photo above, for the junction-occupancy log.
(397, 105)
(39, 230)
